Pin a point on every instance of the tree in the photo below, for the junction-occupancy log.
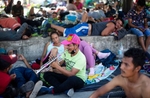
(127, 4)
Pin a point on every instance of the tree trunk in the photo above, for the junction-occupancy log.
(127, 4)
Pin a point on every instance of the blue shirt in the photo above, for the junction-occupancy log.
(137, 19)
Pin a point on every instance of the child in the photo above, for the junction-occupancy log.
(5, 79)
(89, 52)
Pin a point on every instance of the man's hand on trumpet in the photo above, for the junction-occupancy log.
(55, 64)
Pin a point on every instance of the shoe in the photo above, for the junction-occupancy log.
(27, 87)
(36, 89)
(91, 73)
(70, 92)
(45, 90)
(103, 55)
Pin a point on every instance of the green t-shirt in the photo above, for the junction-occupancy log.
(78, 61)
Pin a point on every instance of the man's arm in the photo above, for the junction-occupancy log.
(131, 25)
(109, 29)
(21, 57)
(72, 72)
(145, 23)
(146, 88)
(146, 92)
(106, 88)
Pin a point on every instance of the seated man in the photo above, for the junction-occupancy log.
(138, 23)
(84, 29)
(71, 77)
(17, 10)
(134, 84)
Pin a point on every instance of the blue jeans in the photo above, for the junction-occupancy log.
(23, 75)
(13, 35)
(140, 33)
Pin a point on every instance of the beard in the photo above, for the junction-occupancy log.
(73, 52)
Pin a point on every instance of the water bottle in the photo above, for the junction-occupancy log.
(120, 51)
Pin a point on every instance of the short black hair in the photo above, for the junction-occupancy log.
(138, 56)
(4, 64)
(141, 3)
(18, 2)
(87, 9)
(71, 1)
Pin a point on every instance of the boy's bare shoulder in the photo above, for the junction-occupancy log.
(145, 80)
(145, 87)
(119, 79)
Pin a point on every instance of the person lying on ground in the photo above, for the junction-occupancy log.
(25, 76)
(9, 22)
(12, 35)
(95, 29)
(15, 22)
(134, 84)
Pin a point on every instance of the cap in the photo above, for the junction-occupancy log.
(71, 39)
(9, 58)
(6, 61)
(4, 64)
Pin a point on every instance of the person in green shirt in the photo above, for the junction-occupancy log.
(73, 75)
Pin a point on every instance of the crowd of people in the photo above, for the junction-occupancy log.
(75, 56)
(103, 20)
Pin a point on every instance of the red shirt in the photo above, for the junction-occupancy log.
(79, 5)
(9, 23)
(4, 81)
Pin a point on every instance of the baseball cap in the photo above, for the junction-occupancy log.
(71, 38)
(9, 58)
(6, 61)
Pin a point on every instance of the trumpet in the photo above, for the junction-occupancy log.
(47, 64)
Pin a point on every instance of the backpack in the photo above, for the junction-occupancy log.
(109, 60)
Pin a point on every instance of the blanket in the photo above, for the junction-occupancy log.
(101, 73)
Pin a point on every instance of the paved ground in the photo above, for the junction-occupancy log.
(76, 95)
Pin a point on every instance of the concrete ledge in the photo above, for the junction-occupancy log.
(33, 48)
